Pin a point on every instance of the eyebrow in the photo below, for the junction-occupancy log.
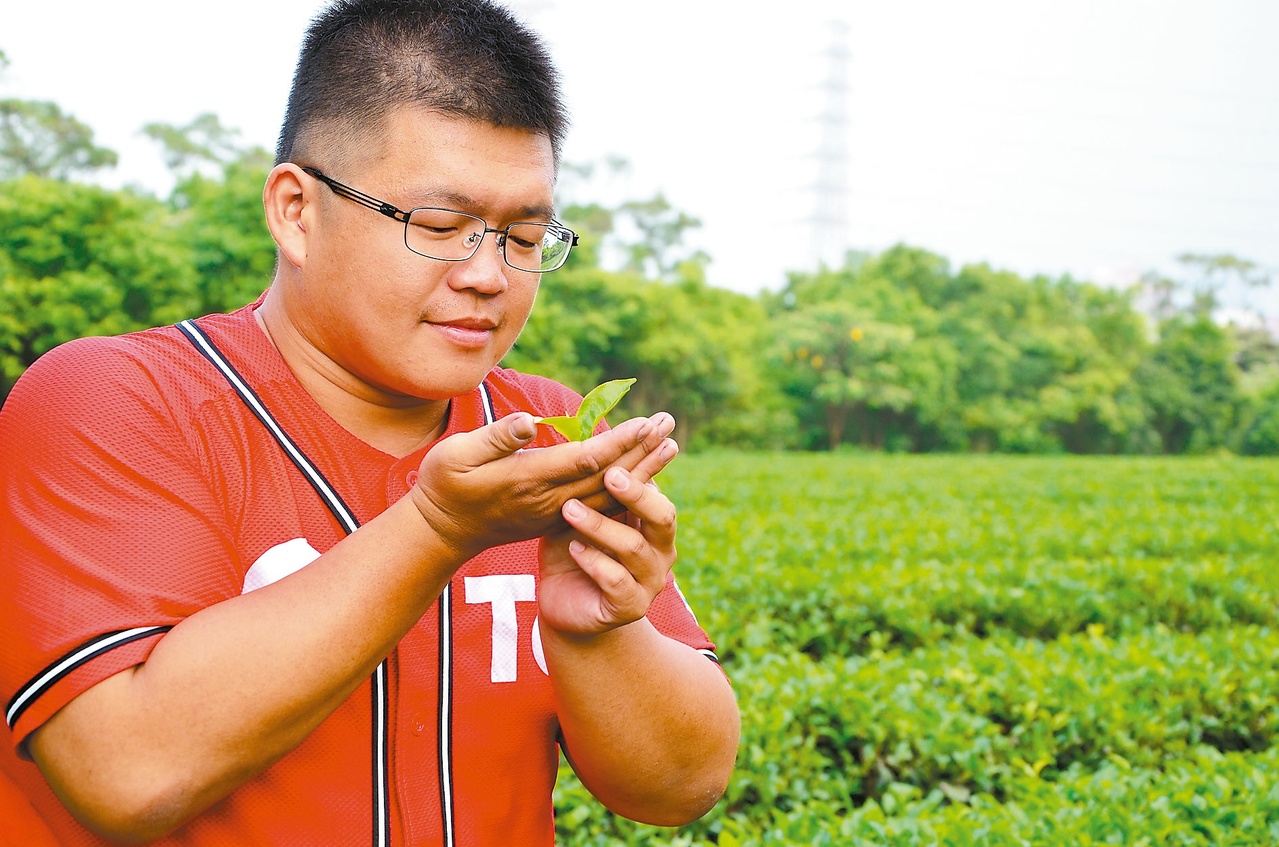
(462, 202)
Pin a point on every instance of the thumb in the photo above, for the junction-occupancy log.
(503, 437)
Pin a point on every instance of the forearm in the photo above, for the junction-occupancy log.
(235, 686)
(649, 724)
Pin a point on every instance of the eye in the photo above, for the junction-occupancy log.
(443, 233)
(442, 223)
(526, 237)
(524, 244)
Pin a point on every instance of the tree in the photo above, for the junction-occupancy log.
(691, 347)
(1212, 273)
(1190, 385)
(661, 229)
(39, 139)
(220, 219)
(1197, 291)
(1260, 436)
(203, 141)
(848, 363)
(80, 260)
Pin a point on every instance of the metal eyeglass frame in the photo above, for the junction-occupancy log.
(382, 207)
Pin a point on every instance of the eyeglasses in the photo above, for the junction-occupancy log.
(451, 236)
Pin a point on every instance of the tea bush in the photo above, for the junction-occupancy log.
(983, 650)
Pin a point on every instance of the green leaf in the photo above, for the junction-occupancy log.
(599, 402)
(568, 427)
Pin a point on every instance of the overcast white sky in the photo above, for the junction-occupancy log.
(1096, 137)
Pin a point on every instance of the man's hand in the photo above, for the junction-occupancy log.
(483, 488)
(649, 725)
(604, 573)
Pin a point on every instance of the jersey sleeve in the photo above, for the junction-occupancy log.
(672, 616)
(110, 531)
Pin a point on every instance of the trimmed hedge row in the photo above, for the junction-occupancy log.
(983, 650)
(967, 715)
(913, 605)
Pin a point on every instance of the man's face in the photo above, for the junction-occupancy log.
(402, 328)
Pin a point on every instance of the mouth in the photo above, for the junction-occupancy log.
(466, 331)
(475, 324)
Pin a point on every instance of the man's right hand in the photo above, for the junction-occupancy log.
(482, 488)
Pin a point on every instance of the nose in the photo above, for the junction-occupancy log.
(485, 271)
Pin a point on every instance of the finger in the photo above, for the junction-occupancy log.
(619, 586)
(642, 453)
(647, 559)
(643, 473)
(494, 441)
(653, 463)
(576, 461)
(654, 509)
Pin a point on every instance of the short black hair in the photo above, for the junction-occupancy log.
(465, 58)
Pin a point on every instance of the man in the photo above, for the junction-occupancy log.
(297, 575)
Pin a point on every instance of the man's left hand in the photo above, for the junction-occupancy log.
(605, 572)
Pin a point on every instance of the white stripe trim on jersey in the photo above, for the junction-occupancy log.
(317, 480)
(382, 798)
(489, 415)
(381, 763)
(446, 679)
(70, 662)
(381, 760)
(445, 730)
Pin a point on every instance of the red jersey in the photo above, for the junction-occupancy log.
(137, 487)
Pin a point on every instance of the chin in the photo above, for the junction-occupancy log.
(446, 387)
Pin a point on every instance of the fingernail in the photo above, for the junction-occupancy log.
(523, 427)
(668, 450)
(574, 509)
(576, 547)
(619, 479)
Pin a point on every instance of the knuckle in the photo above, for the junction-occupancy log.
(668, 516)
(658, 509)
(588, 464)
(636, 545)
(620, 583)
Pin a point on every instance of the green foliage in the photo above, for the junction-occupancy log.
(1190, 385)
(895, 351)
(906, 353)
(969, 650)
(78, 260)
(220, 220)
(692, 348)
(1261, 433)
(38, 139)
(203, 140)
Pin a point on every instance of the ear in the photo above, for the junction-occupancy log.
(289, 203)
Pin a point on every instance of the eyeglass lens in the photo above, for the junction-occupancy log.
(453, 236)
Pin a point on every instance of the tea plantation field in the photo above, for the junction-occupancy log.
(965, 650)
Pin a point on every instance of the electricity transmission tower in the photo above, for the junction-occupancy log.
(830, 222)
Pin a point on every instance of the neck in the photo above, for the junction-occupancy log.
(393, 424)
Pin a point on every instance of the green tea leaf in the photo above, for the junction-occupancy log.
(599, 402)
(568, 427)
